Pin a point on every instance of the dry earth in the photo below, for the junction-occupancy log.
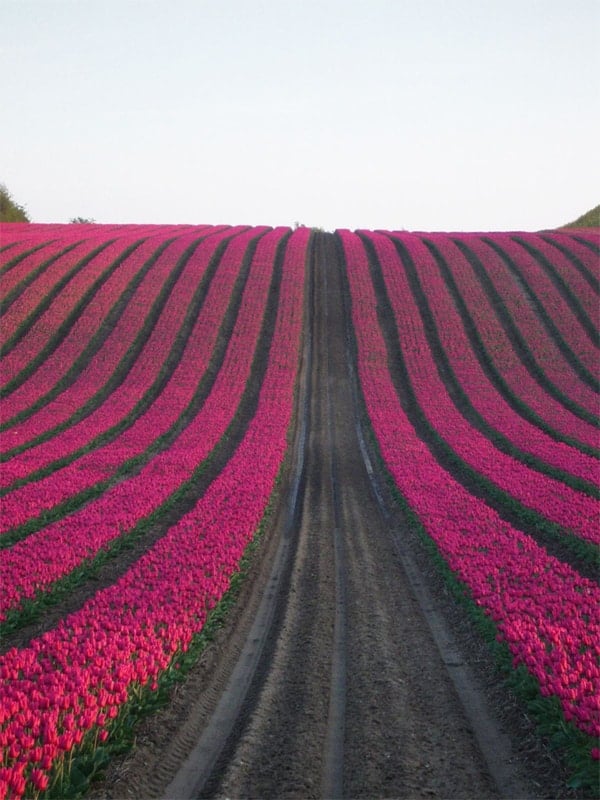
(352, 695)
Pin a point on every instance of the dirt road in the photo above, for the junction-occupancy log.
(339, 674)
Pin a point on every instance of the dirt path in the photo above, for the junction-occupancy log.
(351, 682)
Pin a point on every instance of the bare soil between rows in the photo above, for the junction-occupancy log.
(406, 733)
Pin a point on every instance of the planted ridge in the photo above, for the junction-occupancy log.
(143, 353)
(537, 354)
(504, 571)
(150, 376)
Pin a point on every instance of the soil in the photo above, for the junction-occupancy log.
(352, 694)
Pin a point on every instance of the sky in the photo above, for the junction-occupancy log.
(426, 115)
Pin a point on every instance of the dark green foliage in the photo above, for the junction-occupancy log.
(591, 219)
(9, 210)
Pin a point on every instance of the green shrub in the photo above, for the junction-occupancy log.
(591, 219)
(9, 210)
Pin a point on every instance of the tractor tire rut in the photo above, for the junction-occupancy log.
(333, 676)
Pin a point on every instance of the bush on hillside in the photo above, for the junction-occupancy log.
(591, 219)
(9, 210)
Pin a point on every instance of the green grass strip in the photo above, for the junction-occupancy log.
(519, 344)
(488, 366)
(94, 344)
(63, 330)
(462, 401)
(165, 440)
(586, 555)
(25, 254)
(31, 276)
(572, 744)
(576, 261)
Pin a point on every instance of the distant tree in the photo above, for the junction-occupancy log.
(9, 210)
(82, 220)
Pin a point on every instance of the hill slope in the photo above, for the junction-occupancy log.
(591, 219)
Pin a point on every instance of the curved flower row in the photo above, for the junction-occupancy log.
(498, 345)
(35, 233)
(484, 396)
(17, 232)
(560, 305)
(575, 511)
(21, 258)
(40, 332)
(41, 248)
(75, 678)
(50, 372)
(34, 563)
(144, 371)
(37, 274)
(524, 317)
(546, 612)
(34, 276)
(575, 244)
(30, 500)
(571, 276)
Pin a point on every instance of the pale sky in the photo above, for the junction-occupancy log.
(395, 114)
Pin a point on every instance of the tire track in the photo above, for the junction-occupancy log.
(118, 555)
(333, 768)
(301, 619)
(557, 539)
(338, 705)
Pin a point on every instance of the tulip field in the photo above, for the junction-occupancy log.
(148, 381)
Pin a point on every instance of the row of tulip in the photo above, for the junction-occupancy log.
(41, 329)
(33, 310)
(15, 232)
(578, 250)
(17, 238)
(575, 277)
(444, 324)
(546, 612)
(139, 437)
(24, 260)
(36, 233)
(562, 312)
(39, 245)
(526, 321)
(33, 254)
(511, 364)
(66, 688)
(35, 563)
(61, 359)
(575, 511)
(186, 258)
(29, 280)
